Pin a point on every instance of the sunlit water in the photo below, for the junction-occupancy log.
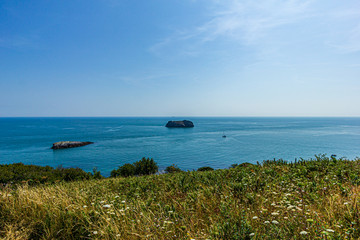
(125, 140)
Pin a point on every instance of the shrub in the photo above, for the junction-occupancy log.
(172, 169)
(145, 166)
(202, 169)
(125, 171)
(19, 172)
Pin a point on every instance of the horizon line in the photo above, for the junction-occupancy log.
(182, 116)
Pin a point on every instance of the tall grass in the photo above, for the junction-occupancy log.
(315, 199)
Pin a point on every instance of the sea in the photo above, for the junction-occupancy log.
(120, 140)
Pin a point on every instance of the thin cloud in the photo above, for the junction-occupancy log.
(349, 43)
(242, 21)
(253, 23)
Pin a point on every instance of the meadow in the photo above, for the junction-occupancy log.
(308, 199)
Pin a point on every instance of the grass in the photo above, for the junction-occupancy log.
(314, 199)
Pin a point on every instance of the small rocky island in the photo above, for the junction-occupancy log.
(69, 144)
(180, 124)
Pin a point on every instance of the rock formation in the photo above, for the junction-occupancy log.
(180, 124)
(69, 144)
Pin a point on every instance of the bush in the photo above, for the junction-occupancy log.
(145, 166)
(19, 172)
(202, 169)
(172, 169)
(125, 171)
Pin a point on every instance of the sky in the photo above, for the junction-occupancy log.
(179, 58)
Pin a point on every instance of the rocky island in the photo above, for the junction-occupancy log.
(180, 124)
(69, 144)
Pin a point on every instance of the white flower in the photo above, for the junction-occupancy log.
(346, 203)
(266, 222)
(303, 232)
(84, 206)
(275, 222)
(252, 234)
(123, 201)
(106, 206)
(330, 230)
(95, 232)
(255, 217)
(275, 213)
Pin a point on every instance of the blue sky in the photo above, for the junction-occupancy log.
(180, 58)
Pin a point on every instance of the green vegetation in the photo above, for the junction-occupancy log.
(315, 199)
(18, 172)
(145, 166)
(203, 169)
(172, 169)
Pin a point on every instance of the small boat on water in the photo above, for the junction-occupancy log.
(224, 136)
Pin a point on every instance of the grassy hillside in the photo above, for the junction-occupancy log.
(315, 199)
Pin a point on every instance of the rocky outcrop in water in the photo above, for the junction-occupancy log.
(69, 144)
(180, 124)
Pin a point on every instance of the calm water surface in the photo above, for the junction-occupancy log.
(125, 140)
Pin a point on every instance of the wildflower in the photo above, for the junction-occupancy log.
(330, 230)
(346, 203)
(309, 220)
(266, 222)
(106, 206)
(255, 217)
(274, 213)
(95, 232)
(285, 217)
(84, 206)
(116, 196)
(303, 232)
(252, 234)
(102, 202)
(275, 222)
(123, 201)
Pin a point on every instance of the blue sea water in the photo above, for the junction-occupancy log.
(126, 140)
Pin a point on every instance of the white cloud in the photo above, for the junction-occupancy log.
(253, 23)
(348, 42)
(242, 21)
(251, 20)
